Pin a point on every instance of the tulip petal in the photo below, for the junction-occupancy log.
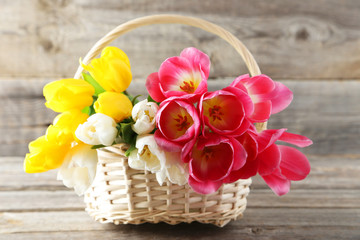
(114, 52)
(240, 154)
(113, 104)
(238, 82)
(211, 162)
(199, 60)
(178, 120)
(262, 111)
(243, 97)
(268, 137)
(282, 99)
(206, 187)
(135, 162)
(294, 164)
(278, 183)
(170, 73)
(247, 171)
(153, 87)
(259, 85)
(297, 140)
(269, 160)
(161, 177)
(186, 151)
(165, 144)
(251, 166)
(217, 111)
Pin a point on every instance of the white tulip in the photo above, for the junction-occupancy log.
(144, 113)
(79, 168)
(98, 129)
(176, 170)
(175, 173)
(148, 156)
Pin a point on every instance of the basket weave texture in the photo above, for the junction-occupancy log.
(122, 195)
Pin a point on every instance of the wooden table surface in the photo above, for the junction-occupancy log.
(312, 46)
(324, 206)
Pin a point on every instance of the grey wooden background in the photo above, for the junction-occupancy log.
(312, 45)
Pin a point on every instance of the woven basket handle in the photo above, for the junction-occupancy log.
(175, 19)
(166, 19)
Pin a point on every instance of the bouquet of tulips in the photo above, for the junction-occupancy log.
(181, 132)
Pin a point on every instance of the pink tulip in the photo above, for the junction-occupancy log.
(177, 122)
(276, 164)
(226, 111)
(178, 76)
(211, 160)
(269, 97)
(294, 166)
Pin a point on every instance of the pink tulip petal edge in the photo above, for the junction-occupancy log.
(271, 96)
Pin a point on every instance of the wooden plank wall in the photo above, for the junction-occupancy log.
(291, 39)
(295, 41)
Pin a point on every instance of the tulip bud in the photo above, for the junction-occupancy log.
(112, 70)
(98, 129)
(68, 94)
(115, 105)
(144, 113)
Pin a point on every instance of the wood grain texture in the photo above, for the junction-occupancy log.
(79, 221)
(196, 231)
(290, 39)
(325, 111)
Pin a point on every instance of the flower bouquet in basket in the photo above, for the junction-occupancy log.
(181, 154)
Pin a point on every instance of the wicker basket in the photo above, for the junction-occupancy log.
(123, 195)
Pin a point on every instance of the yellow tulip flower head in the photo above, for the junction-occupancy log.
(46, 153)
(115, 105)
(68, 94)
(49, 151)
(112, 70)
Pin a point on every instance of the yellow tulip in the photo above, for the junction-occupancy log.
(67, 122)
(67, 94)
(48, 152)
(115, 105)
(112, 70)
(45, 154)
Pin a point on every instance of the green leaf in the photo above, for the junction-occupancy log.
(150, 99)
(131, 148)
(98, 146)
(88, 78)
(128, 120)
(91, 110)
(127, 134)
(134, 100)
(86, 110)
